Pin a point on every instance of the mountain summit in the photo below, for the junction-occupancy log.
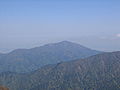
(26, 60)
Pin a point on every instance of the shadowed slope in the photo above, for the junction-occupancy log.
(99, 72)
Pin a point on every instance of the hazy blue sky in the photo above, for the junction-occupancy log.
(30, 23)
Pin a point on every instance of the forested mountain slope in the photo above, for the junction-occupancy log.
(98, 72)
(26, 60)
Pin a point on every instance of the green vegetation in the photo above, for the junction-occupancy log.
(99, 72)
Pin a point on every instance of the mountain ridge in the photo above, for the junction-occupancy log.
(27, 60)
(98, 72)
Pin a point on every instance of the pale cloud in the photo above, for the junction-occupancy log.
(118, 35)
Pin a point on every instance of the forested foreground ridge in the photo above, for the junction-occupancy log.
(98, 72)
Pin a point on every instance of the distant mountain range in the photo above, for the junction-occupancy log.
(27, 60)
(98, 72)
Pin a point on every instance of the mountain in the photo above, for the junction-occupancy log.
(26, 60)
(98, 72)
